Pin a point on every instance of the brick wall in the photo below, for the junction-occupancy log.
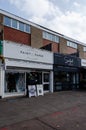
(63, 46)
(71, 50)
(36, 37)
(16, 36)
(1, 27)
(55, 46)
(81, 52)
(64, 49)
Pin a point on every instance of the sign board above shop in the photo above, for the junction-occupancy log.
(83, 62)
(66, 60)
(26, 53)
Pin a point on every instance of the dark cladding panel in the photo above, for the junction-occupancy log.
(66, 60)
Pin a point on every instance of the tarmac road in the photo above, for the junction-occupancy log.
(58, 111)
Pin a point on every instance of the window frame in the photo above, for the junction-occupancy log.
(72, 44)
(6, 22)
(50, 37)
(16, 24)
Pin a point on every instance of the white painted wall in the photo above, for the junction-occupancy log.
(16, 63)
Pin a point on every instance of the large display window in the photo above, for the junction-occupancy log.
(15, 82)
(64, 80)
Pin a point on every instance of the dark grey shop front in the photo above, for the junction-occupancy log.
(66, 72)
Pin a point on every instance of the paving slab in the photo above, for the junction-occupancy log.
(57, 111)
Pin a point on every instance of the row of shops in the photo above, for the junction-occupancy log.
(24, 66)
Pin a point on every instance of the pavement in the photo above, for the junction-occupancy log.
(65, 110)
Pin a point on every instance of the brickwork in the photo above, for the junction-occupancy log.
(36, 37)
(1, 27)
(71, 50)
(16, 36)
(64, 49)
(55, 46)
(80, 49)
(63, 46)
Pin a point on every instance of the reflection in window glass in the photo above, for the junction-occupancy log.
(7, 21)
(27, 28)
(34, 78)
(50, 37)
(15, 82)
(14, 23)
(72, 44)
(46, 87)
(21, 26)
(46, 77)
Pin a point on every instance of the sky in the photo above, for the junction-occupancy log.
(67, 17)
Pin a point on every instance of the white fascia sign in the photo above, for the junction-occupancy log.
(22, 52)
(83, 62)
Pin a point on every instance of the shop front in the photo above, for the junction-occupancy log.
(26, 66)
(66, 72)
(83, 74)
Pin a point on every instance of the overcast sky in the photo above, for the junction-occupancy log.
(67, 17)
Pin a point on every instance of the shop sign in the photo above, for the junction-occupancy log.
(66, 60)
(26, 53)
(40, 90)
(32, 90)
(83, 62)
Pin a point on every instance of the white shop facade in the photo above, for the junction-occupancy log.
(23, 66)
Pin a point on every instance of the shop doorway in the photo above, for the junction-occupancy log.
(33, 78)
(46, 82)
(38, 78)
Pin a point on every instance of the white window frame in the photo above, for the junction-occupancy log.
(50, 37)
(72, 44)
(17, 25)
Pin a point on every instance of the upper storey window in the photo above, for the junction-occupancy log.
(84, 49)
(16, 24)
(27, 28)
(72, 44)
(7, 21)
(50, 37)
(21, 26)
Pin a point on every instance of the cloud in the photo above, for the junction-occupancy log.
(76, 4)
(44, 12)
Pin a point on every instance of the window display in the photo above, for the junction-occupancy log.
(15, 82)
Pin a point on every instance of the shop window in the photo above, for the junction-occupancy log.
(15, 82)
(34, 78)
(46, 87)
(7, 21)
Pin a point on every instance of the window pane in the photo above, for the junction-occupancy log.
(21, 26)
(46, 77)
(7, 21)
(15, 82)
(50, 37)
(72, 44)
(14, 23)
(27, 29)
